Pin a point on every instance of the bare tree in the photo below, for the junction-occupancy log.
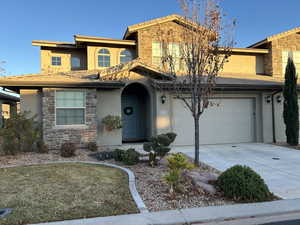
(2, 70)
(202, 47)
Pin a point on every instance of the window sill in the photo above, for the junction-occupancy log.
(76, 127)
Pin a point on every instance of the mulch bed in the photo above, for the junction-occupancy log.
(149, 182)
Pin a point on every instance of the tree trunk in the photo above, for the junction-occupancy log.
(196, 122)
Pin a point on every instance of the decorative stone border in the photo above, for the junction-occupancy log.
(131, 179)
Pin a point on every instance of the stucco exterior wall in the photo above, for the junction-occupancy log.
(92, 55)
(65, 54)
(108, 103)
(31, 101)
(56, 135)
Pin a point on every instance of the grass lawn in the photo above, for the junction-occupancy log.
(65, 191)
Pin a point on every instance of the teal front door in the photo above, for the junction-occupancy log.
(132, 129)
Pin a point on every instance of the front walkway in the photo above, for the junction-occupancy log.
(279, 166)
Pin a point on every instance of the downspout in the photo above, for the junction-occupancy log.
(273, 115)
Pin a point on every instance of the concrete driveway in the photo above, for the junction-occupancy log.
(279, 166)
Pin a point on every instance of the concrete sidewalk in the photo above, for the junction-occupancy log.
(194, 215)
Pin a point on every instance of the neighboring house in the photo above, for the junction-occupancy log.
(76, 89)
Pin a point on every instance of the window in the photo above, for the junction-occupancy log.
(173, 50)
(56, 61)
(75, 62)
(70, 107)
(125, 56)
(103, 58)
(295, 55)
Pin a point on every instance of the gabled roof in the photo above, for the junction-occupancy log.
(133, 28)
(275, 37)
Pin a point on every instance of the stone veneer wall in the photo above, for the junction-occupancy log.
(54, 135)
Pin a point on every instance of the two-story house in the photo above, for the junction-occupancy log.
(75, 90)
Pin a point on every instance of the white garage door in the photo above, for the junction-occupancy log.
(229, 120)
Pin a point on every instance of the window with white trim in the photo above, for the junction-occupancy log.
(173, 50)
(103, 58)
(70, 107)
(125, 56)
(295, 55)
(56, 61)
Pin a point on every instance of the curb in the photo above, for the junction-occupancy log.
(131, 179)
(194, 215)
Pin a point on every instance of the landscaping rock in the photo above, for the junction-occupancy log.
(208, 188)
(202, 180)
(163, 162)
(203, 177)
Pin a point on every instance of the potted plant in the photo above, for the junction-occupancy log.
(112, 122)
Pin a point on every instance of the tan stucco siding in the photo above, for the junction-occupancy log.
(92, 55)
(108, 103)
(244, 63)
(65, 54)
(31, 101)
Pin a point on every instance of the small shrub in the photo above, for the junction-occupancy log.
(67, 150)
(20, 133)
(159, 146)
(92, 146)
(112, 122)
(243, 184)
(131, 157)
(118, 154)
(42, 147)
(104, 155)
(177, 163)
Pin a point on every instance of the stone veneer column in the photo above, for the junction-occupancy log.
(55, 136)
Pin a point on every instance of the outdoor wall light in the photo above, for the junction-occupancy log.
(163, 99)
(268, 99)
(279, 98)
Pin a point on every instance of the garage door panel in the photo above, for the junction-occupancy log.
(228, 120)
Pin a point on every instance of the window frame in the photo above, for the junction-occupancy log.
(122, 55)
(103, 55)
(55, 64)
(84, 108)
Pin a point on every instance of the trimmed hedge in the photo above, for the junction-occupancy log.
(243, 184)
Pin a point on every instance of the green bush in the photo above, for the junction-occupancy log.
(159, 146)
(243, 184)
(131, 157)
(92, 146)
(118, 154)
(67, 150)
(20, 133)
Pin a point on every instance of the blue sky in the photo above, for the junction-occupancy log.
(22, 21)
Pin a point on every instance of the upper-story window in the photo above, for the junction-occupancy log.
(56, 61)
(70, 107)
(125, 56)
(173, 50)
(75, 63)
(295, 56)
(103, 58)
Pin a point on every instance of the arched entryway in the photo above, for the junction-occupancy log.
(135, 113)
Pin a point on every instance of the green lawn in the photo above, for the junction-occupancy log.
(65, 191)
